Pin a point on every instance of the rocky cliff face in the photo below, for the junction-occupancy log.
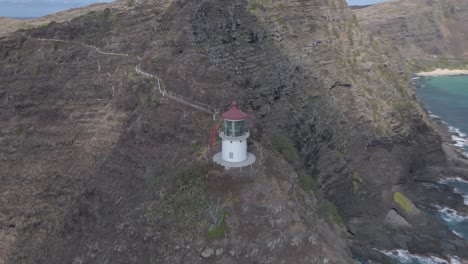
(421, 29)
(110, 151)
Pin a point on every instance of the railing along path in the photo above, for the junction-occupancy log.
(176, 97)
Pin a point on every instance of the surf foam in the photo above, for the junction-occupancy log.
(404, 257)
(456, 189)
(451, 216)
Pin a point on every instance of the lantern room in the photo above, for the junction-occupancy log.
(234, 122)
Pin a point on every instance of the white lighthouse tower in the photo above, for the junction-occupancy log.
(234, 140)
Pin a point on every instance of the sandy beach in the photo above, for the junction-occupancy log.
(442, 72)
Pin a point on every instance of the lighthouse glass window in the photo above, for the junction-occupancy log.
(233, 128)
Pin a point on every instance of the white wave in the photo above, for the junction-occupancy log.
(459, 142)
(455, 130)
(456, 190)
(464, 195)
(434, 116)
(465, 198)
(450, 215)
(453, 179)
(404, 257)
(458, 234)
(415, 78)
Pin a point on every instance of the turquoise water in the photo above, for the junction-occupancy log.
(447, 97)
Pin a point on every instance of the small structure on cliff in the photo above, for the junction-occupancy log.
(234, 140)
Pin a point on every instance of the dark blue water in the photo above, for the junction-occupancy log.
(457, 222)
(461, 187)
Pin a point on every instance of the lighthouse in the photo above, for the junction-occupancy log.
(234, 140)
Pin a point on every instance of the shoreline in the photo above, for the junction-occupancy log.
(456, 156)
(442, 72)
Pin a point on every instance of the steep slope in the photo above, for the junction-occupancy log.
(106, 157)
(336, 103)
(422, 29)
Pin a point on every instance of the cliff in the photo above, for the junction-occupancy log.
(429, 32)
(114, 168)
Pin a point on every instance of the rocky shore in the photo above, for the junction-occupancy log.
(456, 157)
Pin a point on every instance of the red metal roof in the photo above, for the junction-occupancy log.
(234, 113)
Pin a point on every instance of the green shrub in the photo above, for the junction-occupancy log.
(330, 213)
(219, 230)
(404, 202)
(286, 149)
(255, 5)
(131, 75)
(281, 21)
(307, 183)
(357, 181)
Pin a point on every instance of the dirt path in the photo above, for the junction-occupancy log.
(175, 97)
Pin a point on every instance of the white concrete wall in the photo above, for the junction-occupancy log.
(237, 148)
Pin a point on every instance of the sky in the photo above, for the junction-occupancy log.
(37, 8)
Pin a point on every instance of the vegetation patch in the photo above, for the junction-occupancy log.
(329, 212)
(131, 76)
(281, 7)
(286, 149)
(281, 21)
(255, 5)
(404, 202)
(183, 209)
(308, 184)
(357, 181)
(219, 230)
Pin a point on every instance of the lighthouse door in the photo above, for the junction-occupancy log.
(231, 155)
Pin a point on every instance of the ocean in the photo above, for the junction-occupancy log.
(447, 97)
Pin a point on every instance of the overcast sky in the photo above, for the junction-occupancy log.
(36, 8)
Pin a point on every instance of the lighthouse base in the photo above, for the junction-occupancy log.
(227, 164)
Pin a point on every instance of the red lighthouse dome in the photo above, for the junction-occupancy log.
(234, 113)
